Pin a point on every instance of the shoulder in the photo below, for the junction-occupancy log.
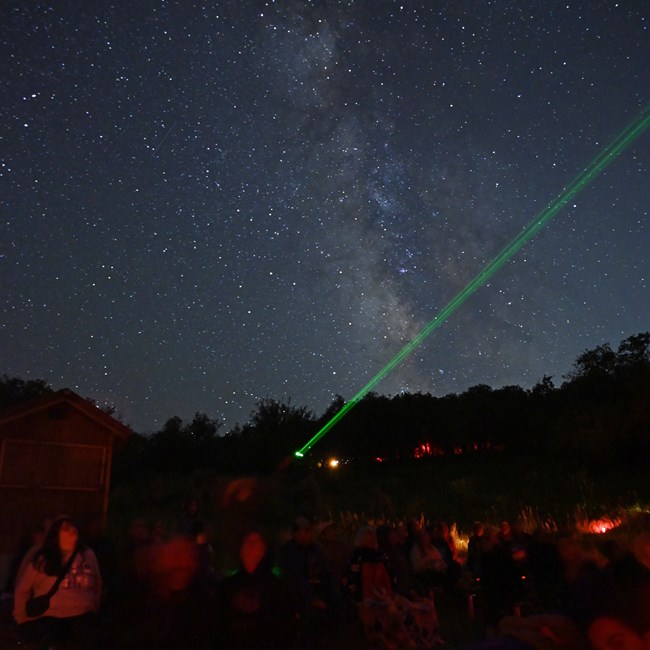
(30, 570)
(37, 561)
(87, 556)
(36, 557)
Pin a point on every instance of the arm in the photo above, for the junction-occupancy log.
(30, 582)
(90, 560)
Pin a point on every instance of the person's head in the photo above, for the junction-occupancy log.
(366, 538)
(252, 551)
(173, 565)
(612, 632)
(489, 541)
(62, 534)
(478, 529)
(326, 532)
(414, 526)
(68, 536)
(423, 540)
(402, 532)
(303, 531)
(387, 536)
(504, 528)
(61, 539)
(435, 530)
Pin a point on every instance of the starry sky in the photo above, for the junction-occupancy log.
(204, 204)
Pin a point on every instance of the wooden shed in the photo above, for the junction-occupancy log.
(55, 457)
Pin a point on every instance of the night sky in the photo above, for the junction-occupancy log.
(206, 204)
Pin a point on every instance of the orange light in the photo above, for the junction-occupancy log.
(598, 526)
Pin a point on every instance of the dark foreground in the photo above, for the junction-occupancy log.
(457, 628)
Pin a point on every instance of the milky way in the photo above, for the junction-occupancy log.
(203, 205)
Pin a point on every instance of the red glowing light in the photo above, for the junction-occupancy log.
(598, 526)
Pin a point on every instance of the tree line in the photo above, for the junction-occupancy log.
(600, 414)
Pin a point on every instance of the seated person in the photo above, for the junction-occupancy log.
(67, 572)
(254, 610)
(427, 563)
(389, 620)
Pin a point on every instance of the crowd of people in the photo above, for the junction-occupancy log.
(548, 591)
(316, 589)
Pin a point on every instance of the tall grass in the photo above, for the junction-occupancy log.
(537, 492)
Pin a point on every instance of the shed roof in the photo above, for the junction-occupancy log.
(66, 396)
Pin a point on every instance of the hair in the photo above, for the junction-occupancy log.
(383, 536)
(361, 534)
(422, 540)
(300, 523)
(49, 558)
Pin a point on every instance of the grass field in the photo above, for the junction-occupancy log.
(459, 490)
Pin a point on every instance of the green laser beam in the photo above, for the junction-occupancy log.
(595, 167)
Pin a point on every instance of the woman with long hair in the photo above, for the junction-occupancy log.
(65, 574)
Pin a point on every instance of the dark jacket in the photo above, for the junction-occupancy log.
(254, 611)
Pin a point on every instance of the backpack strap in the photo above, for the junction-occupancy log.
(64, 572)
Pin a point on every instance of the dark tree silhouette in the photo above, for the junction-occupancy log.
(14, 390)
(606, 416)
(601, 413)
(274, 432)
